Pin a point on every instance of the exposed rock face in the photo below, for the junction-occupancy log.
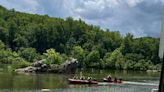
(40, 66)
(27, 69)
(68, 67)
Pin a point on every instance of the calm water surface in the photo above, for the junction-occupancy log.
(136, 82)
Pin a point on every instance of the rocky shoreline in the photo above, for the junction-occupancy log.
(67, 67)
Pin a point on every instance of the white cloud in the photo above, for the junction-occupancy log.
(30, 6)
(133, 3)
(140, 17)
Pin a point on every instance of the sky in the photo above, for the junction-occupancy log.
(139, 17)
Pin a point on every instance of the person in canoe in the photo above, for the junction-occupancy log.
(108, 79)
(119, 80)
(82, 78)
(75, 77)
(115, 79)
(89, 78)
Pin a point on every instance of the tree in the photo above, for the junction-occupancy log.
(141, 65)
(79, 53)
(52, 57)
(28, 53)
(11, 34)
(128, 39)
(2, 45)
(114, 60)
(129, 65)
(93, 57)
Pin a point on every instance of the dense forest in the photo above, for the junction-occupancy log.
(26, 38)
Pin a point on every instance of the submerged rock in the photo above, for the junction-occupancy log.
(67, 67)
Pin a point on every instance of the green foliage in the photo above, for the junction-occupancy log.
(114, 60)
(11, 57)
(141, 65)
(79, 54)
(28, 53)
(128, 39)
(8, 57)
(92, 58)
(129, 65)
(2, 45)
(21, 64)
(52, 57)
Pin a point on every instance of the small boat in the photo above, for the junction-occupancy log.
(78, 81)
(112, 81)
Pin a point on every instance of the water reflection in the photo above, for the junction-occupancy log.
(58, 82)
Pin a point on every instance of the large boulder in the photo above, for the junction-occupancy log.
(40, 66)
(28, 69)
(68, 67)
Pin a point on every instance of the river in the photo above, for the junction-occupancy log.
(135, 81)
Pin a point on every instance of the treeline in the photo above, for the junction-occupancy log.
(26, 38)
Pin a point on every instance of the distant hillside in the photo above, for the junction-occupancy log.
(91, 45)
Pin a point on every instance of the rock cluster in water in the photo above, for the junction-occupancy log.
(67, 67)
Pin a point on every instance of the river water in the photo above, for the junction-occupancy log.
(135, 81)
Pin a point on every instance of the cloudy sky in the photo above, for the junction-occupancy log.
(139, 17)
